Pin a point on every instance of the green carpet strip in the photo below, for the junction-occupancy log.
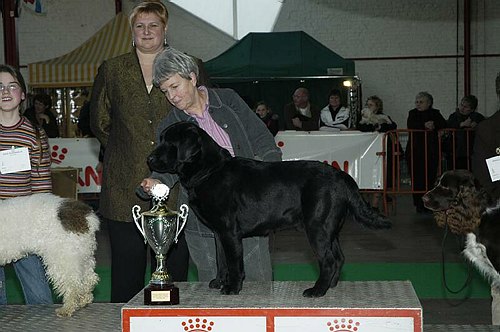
(426, 278)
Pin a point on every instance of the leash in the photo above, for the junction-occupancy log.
(469, 274)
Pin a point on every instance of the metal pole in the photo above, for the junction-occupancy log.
(235, 19)
(9, 33)
(466, 47)
(118, 6)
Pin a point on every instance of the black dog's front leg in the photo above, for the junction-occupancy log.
(233, 253)
(221, 277)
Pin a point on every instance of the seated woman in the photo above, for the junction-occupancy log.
(266, 115)
(378, 121)
(334, 116)
(40, 114)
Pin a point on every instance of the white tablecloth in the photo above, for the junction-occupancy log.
(354, 152)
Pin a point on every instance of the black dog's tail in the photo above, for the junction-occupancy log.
(364, 213)
(370, 217)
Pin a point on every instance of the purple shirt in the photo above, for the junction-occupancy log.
(207, 123)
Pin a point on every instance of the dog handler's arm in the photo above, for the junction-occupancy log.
(262, 141)
(144, 189)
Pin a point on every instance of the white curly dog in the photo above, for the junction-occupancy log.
(62, 232)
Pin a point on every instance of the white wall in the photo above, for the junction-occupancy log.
(364, 30)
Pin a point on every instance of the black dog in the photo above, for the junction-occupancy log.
(238, 197)
(459, 202)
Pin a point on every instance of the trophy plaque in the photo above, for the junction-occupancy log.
(160, 227)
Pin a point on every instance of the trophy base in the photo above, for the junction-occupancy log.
(156, 294)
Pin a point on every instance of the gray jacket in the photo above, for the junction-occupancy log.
(249, 136)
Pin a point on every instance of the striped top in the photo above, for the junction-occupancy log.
(28, 182)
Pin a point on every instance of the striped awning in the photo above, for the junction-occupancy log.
(79, 67)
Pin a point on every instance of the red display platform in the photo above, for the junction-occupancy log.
(374, 306)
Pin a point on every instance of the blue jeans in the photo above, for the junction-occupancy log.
(201, 243)
(31, 274)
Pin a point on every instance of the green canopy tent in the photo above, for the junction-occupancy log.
(270, 66)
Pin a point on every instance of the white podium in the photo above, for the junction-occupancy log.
(372, 306)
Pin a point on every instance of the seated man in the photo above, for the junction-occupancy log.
(301, 114)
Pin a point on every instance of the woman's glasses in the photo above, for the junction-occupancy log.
(11, 87)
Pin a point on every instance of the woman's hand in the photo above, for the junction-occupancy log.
(148, 183)
(429, 125)
(43, 117)
(297, 123)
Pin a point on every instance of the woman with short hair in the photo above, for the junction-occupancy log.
(233, 125)
(422, 149)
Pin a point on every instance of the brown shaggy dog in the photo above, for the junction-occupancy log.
(457, 200)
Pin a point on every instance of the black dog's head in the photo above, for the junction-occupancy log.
(451, 188)
(186, 150)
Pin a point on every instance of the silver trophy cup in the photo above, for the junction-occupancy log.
(160, 227)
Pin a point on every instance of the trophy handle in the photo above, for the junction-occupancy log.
(183, 215)
(137, 216)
